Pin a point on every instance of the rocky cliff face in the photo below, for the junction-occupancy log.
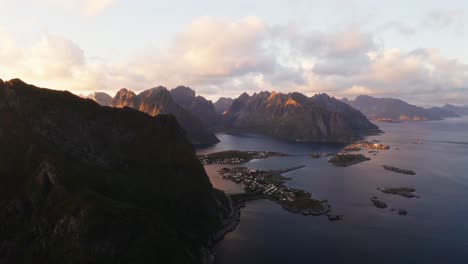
(297, 117)
(81, 183)
(160, 101)
(223, 104)
(197, 105)
(393, 109)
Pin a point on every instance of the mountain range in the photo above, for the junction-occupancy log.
(159, 100)
(297, 117)
(389, 109)
(82, 183)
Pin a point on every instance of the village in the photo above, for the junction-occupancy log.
(235, 157)
(270, 185)
(368, 145)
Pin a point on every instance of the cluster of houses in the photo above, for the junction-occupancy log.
(368, 145)
(235, 157)
(256, 181)
(206, 160)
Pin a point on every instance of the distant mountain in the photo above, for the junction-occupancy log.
(297, 117)
(442, 113)
(101, 98)
(223, 104)
(197, 105)
(81, 183)
(160, 101)
(394, 109)
(459, 110)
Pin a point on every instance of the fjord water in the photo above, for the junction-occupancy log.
(434, 231)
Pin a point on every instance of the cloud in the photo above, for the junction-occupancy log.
(397, 27)
(225, 57)
(439, 20)
(208, 51)
(55, 62)
(85, 7)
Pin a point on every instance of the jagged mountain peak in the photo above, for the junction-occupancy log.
(159, 100)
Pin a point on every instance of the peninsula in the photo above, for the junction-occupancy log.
(233, 157)
(260, 184)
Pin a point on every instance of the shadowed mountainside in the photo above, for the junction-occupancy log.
(297, 117)
(83, 183)
(197, 105)
(223, 104)
(160, 101)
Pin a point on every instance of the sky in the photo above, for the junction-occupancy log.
(412, 50)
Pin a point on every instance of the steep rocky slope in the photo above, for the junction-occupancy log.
(81, 183)
(160, 101)
(297, 117)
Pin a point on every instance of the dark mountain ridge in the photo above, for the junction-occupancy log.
(197, 105)
(82, 183)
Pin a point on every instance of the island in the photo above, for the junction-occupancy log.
(366, 144)
(346, 159)
(398, 170)
(234, 157)
(407, 192)
(260, 184)
(377, 203)
(320, 155)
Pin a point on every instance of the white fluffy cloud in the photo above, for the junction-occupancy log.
(222, 57)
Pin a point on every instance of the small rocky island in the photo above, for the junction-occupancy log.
(398, 170)
(234, 157)
(261, 184)
(407, 192)
(377, 203)
(346, 159)
(320, 155)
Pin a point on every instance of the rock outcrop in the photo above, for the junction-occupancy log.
(297, 117)
(158, 101)
(81, 183)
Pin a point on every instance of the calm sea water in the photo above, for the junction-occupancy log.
(434, 231)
